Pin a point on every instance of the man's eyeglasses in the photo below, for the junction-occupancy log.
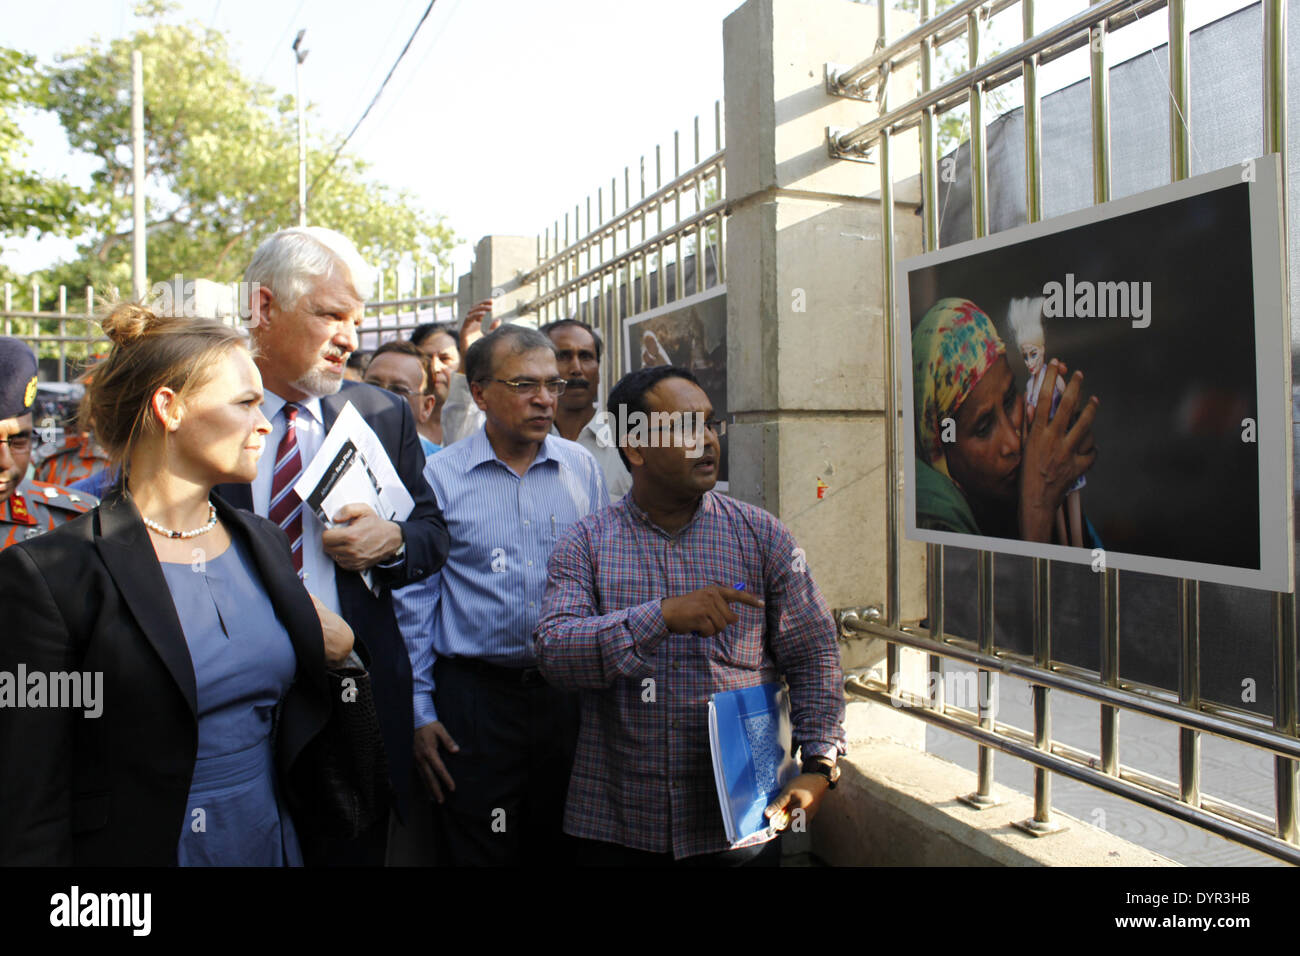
(692, 429)
(531, 388)
(20, 443)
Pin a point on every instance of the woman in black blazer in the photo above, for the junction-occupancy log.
(201, 714)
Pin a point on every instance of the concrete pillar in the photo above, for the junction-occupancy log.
(805, 333)
(500, 262)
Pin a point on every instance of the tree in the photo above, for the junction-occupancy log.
(28, 201)
(221, 164)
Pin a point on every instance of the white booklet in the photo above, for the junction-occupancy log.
(353, 468)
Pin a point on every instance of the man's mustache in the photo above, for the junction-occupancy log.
(579, 383)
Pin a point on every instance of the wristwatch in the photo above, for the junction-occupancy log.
(823, 768)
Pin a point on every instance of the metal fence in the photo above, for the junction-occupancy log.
(1183, 799)
(69, 337)
(666, 244)
(386, 319)
(66, 341)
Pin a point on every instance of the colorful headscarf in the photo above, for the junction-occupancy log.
(952, 348)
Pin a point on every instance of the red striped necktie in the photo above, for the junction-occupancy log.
(286, 506)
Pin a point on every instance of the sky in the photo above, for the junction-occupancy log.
(504, 114)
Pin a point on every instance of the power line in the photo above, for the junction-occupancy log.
(416, 72)
(376, 66)
(380, 92)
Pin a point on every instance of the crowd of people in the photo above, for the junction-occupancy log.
(541, 634)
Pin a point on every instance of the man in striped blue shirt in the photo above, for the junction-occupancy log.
(494, 743)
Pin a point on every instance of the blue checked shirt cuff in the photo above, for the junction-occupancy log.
(810, 750)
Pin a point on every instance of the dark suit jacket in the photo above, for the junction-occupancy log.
(371, 617)
(90, 596)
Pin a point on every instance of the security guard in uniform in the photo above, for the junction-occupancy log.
(27, 508)
(80, 457)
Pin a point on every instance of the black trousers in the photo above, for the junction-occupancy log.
(369, 849)
(600, 853)
(516, 736)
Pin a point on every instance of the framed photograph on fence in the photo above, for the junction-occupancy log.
(692, 333)
(1111, 387)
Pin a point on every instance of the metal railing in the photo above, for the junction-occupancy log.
(57, 330)
(386, 319)
(1183, 799)
(617, 265)
(74, 338)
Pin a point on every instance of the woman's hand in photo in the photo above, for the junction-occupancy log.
(1053, 453)
(338, 635)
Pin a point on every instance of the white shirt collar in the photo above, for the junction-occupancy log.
(272, 403)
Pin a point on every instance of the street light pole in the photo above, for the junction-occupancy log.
(300, 55)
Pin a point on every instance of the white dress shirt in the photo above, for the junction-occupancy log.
(317, 566)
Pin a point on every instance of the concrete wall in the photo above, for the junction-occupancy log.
(805, 325)
(805, 322)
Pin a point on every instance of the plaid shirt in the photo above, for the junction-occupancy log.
(642, 776)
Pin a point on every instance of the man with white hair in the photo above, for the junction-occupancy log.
(307, 289)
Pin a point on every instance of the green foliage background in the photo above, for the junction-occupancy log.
(222, 164)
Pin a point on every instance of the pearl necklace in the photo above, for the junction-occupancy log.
(168, 533)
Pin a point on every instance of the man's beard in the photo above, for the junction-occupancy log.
(319, 382)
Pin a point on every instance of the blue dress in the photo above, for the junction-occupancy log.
(244, 663)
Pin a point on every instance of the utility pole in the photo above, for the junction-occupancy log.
(139, 284)
(300, 55)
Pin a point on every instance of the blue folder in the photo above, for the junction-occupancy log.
(749, 736)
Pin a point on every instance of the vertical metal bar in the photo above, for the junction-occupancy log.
(1110, 669)
(615, 273)
(63, 332)
(1285, 777)
(892, 599)
(415, 303)
(934, 607)
(1189, 624)
(87, 329)
(1099, 76)
(1286, 773)
(645, 256)
(978, 148)
(1100, 85)
(700, 260)
(1042, 822)
(983, 796)
(302, 133)
(718, 269)
(1180, 135)
(139, 283)
(661, 282)
(679, 281)
(893, 655)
